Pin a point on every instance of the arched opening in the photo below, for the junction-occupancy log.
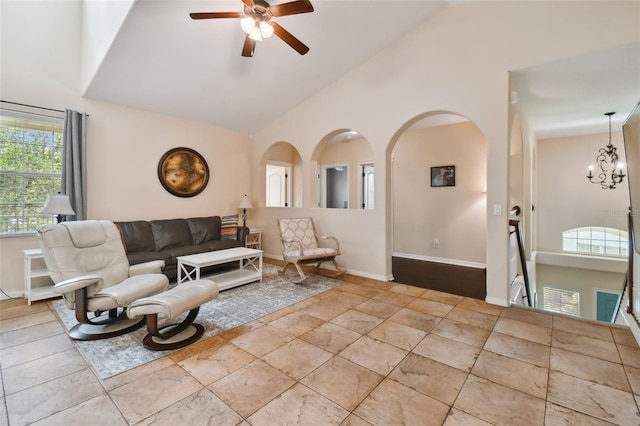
(439, 228)
(282, 176)
(344, 170)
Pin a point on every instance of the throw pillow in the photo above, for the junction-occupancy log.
(229, 229)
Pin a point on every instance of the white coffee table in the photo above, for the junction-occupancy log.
(249, 266)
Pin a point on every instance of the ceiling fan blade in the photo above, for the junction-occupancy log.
(249, 3)
(249, 47)
(288, 38)
(213, 15)
(291, 8)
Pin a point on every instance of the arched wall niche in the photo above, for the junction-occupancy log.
(440, 223)
(342, 171)
(281, 176)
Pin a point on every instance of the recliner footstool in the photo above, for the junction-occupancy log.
(188, 296)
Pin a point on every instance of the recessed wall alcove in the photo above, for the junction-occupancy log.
(281, 176)
(439, 232)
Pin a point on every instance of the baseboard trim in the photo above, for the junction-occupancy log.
(12, 295)
(496, 301)
(456, 262)
(329, 266)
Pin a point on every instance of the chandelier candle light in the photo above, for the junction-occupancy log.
(611, 172)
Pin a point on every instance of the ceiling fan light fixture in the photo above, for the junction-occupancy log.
(248, 24)
(255, 34)
(266, 30)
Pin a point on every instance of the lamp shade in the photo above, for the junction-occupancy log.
(245, 203)
(58, 204)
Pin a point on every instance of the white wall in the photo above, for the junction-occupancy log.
(41, 66)
(455, 216)
(457, 62)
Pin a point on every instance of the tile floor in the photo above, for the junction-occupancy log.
(364, 353)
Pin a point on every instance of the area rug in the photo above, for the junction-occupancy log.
(232, 308)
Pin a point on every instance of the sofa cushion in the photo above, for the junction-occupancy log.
(174, 252)
(170, 233)
(137, 236)
(222, 244)
(147, 256)
(229, 229)
(204, 229)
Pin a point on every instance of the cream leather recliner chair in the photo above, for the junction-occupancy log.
(88, 264)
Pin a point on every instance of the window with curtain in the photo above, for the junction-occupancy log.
(598, 240)
(30, 169)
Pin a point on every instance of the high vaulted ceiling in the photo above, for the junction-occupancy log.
(161, 60)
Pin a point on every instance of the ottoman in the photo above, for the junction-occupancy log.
(167, 305)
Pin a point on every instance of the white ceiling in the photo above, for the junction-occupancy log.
(163, 61)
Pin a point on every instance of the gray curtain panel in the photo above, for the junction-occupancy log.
(74, 162)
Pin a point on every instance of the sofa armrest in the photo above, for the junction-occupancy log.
(77, 283)
(243, 231)
(152, 267)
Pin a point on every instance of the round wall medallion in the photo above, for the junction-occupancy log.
(183, 172)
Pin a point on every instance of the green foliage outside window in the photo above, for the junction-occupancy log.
(30, 169)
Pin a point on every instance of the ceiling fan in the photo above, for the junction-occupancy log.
(256, 22)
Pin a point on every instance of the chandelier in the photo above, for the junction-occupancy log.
(611, 172)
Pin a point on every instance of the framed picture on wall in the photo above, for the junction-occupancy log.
(443, 176)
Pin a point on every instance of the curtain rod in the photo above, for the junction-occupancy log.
(34, 106)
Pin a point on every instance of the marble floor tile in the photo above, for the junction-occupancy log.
(42, 370)
(461, 332)
(499, 404)
(408, 290)
(480, 306)
(99, 410)
(384, 285)
(524, 350)
(582, 327)
(415, 319)
(392, 403)
(299, 405)
(30, 334)
(240, 330)
(200, 408)
(447, 351)
(38, 402)
(394, 298)
(460, 418)
(357, 321)
(630, 356)
(432, 378)
(273, 316)
(331, 337)
(19, 354)
(438, 296)
(589, 346)
(343, 382)
(512, 373)
(346, 299)
(633, 374)
(373, 354)
(471, 317)
(141, 398)
(354, 420)
(25, 321)
(590, 398)
(325, 310)
(216, 362)
(297, 358)
(529, 316)
(398, 335)
(523, 330)
(262, 340)
(624, 337)
(430, 307)
(361, 290)
(251, 387)
(562, 416)
(377, 308)
(588, 368)
(137, 373)
(297, 323)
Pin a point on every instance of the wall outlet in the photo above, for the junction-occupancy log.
(436, 243)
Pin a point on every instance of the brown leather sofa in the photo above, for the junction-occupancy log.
(167, 239)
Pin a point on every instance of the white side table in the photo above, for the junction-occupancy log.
(254, 239)
(36, 275)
